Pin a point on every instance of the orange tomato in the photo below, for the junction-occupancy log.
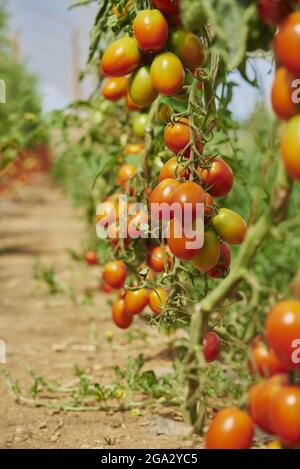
(134, 148)
(290, 148)
(114, 273)
(282, 92)
(179, 243)
(136, 301)
(167, 74)
(114, 88)
(264, 361)
(171, 170)
(188, 47)
(130, 104)
(91, 258)
(177, 137)
(287, 42)
(188, 193)
(261, 405)
(284, 414)
(126, 173)
(119, 315)
(230, 226)
(121, 57)
(230, 429)
(207, 257)
(162, 194)
(150, 29)
(157, 300)
(157, 256)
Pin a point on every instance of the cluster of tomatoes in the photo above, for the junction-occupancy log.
(273, 402)
(23, 166)
(286, 86)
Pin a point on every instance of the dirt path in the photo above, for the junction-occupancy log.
(51, 333)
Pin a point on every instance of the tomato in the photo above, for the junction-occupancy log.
(167, 74)
(167, 6)
(141, 90)
(282, 91)
(284, 414)
(218, 178)
(287, 42)
(230, 226)
(188, 193)
(207, 257)
(221, 269)
(282, 329)
(179, 243)
(157, 300)
(114, 273)
(151, 30)
(157, 257)
(252, 395)
(211, 346)
(230, 429)
(121, 57)
(177, 137)
(126, 173)
(290, 148)
(171, 170)
(139, 123)
(134, 148)
(275, 444)
(263, 360)
(272, 11)
(106, 288)
(130, 104)
(162, 194)
(114, 88)
(188, 47)
(119, 315)
(136, 301)
(164, 113)
(107, 213)
(261, 405)
(91, 258)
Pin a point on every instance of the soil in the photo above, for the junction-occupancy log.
(53, 332)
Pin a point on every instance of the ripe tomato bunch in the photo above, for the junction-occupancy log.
(286, 86)
(273, 402)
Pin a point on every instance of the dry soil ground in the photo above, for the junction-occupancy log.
(51, 333)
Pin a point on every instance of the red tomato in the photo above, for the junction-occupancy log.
(114, 273)
(207, 257)
(167, 74)
(167, 6)
(136, 301)
(150, 29)
(287, 42)
(263, 360)
(162, 194)
(171, 170)
(282, 92)
(121, 57)
(211, 346)
(272, 11)
(157, 257)
(285, 414)
(91, 258)
(290, 148)
(230, 226)
(261, 405)
(179, 243)
(130, 104)
(119, 315)
(230, 429)
(188, 47)
(218, 178)
(126, 173)
(188, 193)
(141, 90)
(114, 88)
(106, 288)
(157, 300)
(282, 330)
(221, 269)
(177, 137)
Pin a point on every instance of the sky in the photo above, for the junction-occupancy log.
(49, 34)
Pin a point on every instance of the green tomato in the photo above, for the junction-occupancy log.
(141, 90)
(230, 226)
(209, 254)
(139, 123)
